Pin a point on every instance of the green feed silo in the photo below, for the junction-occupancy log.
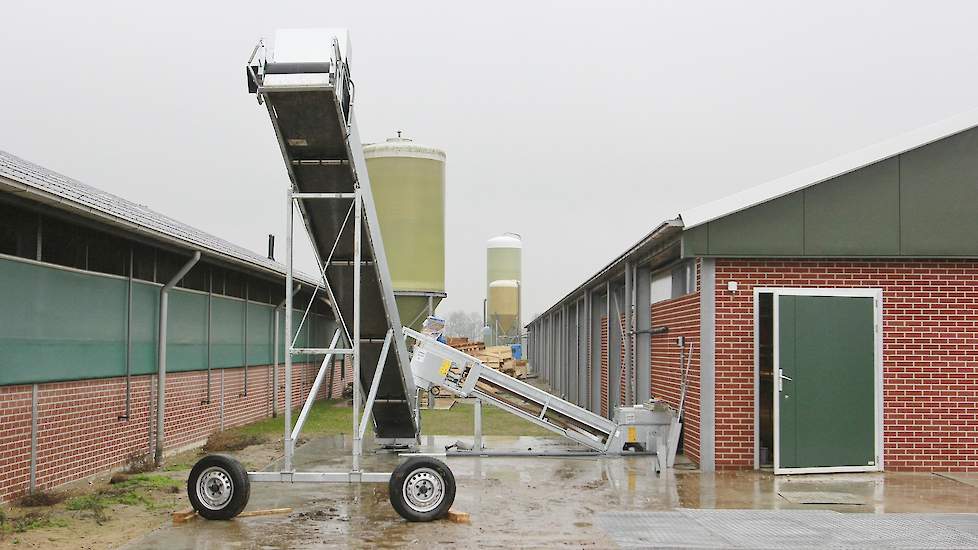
(408, 181)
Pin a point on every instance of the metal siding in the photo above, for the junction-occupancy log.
(145, 319)
(939, 197)
(260, 319)
(773, 228)
(855, 214)
(920, 203)
(186, 340)
(227, 342)
(696, 241)
(58, 324)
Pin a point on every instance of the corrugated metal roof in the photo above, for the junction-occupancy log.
(663, 232)
(74, 195)
(828, 170)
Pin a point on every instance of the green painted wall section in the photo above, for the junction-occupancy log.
(919, 203)
(57, 324)
(939, 194)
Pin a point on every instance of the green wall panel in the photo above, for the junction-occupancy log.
(696, 242)
(259, 334)
(186, 339)
(227, 332)
(856, 213)
(59, 325)
(774, 227)
(145, 322)
(939, 190)
(919, 203)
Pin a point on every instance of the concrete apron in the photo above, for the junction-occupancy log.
(519, 502)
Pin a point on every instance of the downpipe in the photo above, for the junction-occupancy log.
(161, 355)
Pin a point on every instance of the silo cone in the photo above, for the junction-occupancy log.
(504, 296)
(408, 181)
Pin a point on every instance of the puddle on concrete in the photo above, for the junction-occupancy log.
(520, 502)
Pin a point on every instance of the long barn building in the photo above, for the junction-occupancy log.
(81, 274)
(828, 319)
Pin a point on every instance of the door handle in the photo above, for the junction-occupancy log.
(781, 379)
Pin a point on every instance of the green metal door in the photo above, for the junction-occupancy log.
(826, 399)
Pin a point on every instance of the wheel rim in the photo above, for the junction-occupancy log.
(424, 490)
(214, 488)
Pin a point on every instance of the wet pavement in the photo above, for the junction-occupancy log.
(540, 502)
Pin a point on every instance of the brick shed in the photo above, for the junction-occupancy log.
(828, 319)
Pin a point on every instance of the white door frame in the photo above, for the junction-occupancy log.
(877, 295)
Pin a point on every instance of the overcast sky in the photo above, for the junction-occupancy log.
(578, 125)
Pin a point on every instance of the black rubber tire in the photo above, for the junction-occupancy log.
(404, 471)
(237, 476)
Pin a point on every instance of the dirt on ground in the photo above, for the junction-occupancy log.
(113, 508)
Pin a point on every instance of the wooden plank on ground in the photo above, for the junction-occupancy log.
(183, 516)
(444, 403)
(269, 512)
(458, 517)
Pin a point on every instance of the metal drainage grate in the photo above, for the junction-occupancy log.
(788, 529)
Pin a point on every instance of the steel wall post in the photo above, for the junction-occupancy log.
(128, 341)
(210, 318)
(33, 474)
(221, 412)
(588, 365)
(570, 359)
(275, 344)
(607, 308)
(627, 335)
(582, 351)
(289, 444)
(355, 345)
(245, 340)
(643, 338)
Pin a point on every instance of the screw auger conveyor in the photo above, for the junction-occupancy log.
(435, 364)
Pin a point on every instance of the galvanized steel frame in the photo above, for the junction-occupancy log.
(360, 195)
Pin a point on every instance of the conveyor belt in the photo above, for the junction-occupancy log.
(306, 87)
(437, 364)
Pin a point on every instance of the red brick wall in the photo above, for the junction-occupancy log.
(604, 367)
(590, 380)
(930, 354)
(80, 432)
(682, 316)
(15, 439)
